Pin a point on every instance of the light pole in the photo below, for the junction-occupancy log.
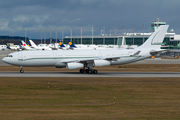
(25, 35)
(41, 36)
(56, 35)
(62, 35)
(124, 29)
(81, 35)
(114, 33)
(44, 36)
(133, 34)
(71, 33)
(92, 35)
(104, 35)
(143, 32)
(50, 37)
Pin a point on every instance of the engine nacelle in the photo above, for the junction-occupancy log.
(100, 63)
(72, 66)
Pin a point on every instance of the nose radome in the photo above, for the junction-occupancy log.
(3, 59)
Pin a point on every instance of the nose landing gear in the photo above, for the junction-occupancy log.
(21, 69)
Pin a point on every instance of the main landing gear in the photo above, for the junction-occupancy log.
(88, 71)
(89, 65)
(21, 69)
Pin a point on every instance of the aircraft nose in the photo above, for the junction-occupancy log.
(4, 59)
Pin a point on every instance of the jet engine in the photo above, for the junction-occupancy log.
(100, 63)
(72, 66)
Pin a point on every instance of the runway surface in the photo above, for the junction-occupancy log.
(100, 74)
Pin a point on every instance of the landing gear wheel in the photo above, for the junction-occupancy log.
(87, 70)
(95, 71)
(81, 70)
(90, 71)
(21, 71)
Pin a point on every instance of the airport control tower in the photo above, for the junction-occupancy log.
(156, 24)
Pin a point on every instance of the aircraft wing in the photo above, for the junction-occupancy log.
(79, 60)
(112, 58)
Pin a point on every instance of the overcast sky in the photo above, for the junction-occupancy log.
(34, 15)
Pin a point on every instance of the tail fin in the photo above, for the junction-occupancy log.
(61, 44)
(8, 47)
(71, 44)
(25, 45)
(156, 39)
(32, 43)
(20, 46)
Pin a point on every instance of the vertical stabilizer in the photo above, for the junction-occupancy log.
(156, 39)
(60, 44)
(32, 43)
(7, 46)
(25, 45)
(71, 44)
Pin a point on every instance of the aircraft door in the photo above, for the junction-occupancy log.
(20, 56)
(54, 55)
(100, 54)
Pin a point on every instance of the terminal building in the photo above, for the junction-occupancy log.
(171, 40)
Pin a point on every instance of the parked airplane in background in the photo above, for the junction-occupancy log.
(81, 59)
(12, 48)
(82, 47)
(71, 45)
(22, 48)
(3, 47)
(33, 45)
(26, 47)
(61, 44)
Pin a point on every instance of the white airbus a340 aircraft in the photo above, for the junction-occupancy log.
(81, 59)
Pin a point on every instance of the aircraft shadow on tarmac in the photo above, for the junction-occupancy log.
(77, 74)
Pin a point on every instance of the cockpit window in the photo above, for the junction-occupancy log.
(9, 56)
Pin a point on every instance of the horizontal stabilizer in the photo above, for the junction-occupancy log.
(153, 53)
